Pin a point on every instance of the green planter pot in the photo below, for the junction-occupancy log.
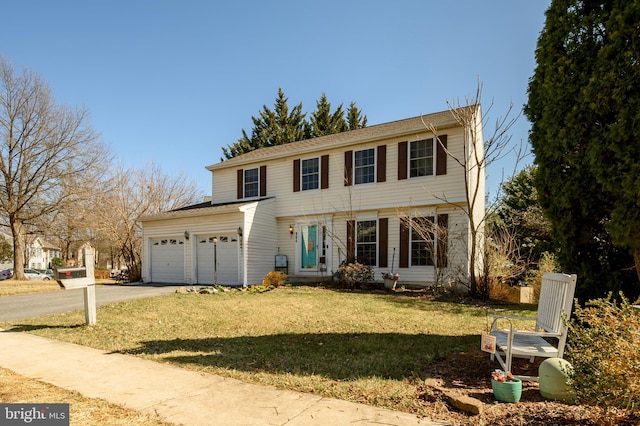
(510, 391)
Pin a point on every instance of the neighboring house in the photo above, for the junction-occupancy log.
(318, 202)
(39, 253)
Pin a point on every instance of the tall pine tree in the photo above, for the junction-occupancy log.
(324, 122)
(355, 118)
(271, 128)
(279, 126)
(583, 138)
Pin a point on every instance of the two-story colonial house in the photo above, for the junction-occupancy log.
(309, 205)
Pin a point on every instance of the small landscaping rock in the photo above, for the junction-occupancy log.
(465, 403)
(461, 402)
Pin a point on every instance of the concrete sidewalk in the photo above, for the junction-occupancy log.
(179, 395)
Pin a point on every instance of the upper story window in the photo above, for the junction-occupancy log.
(251, 183)
(427, 157)
(310, 174)
(421, 158)
(364, 166)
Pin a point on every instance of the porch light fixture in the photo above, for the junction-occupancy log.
(291, 230)
(239, 231)
(186, 235)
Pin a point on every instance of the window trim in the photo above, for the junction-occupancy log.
(374, 244)
(245, 182)
(372, 164)
(411, 159)
(428, 246)
(317, 173)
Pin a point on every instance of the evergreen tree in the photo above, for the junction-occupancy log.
(520, 211)
(323, 122)
(583, 107)
(355, 118)
(278, 126)
(271, 128)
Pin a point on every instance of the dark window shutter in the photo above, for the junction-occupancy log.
(443, 236)
(382, 164)
(404, 245)
(263, 181)
(351, 241)
(348, 164)
(296, 175)
(324, 172)
(402, 160)
(383, 242)
(240, 184)
(441, 155)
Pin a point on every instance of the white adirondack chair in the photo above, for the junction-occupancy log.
(556, 301)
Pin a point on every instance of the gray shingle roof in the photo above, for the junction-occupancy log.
(441, 119)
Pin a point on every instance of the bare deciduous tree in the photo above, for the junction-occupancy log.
(474, 161)
(132, 193)
(42, 145)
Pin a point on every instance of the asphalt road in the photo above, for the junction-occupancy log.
(24, 306)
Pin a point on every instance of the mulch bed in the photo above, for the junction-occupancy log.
(469, 374)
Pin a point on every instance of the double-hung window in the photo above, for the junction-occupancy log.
(251, 187)
(310, 171)
(422, 241)
(366, 242)
(421, 158)
(364, 166)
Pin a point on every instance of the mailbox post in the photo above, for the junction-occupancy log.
(71, 278)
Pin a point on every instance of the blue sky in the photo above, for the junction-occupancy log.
(175, 81)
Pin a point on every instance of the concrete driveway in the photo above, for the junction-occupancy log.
(24, 306)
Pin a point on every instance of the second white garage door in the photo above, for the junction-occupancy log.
(227, 253)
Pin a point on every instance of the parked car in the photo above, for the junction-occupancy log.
(47, 272)
(30, 274)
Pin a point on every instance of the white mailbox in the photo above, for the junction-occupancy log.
(70, 278)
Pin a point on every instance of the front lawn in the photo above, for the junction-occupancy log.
(13, 287)
(369, 347)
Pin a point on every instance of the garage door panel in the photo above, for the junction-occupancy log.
(226, 250)
(167, 260)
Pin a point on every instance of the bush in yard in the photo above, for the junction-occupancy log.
(603, 342)
(352, 275)
(274, 279)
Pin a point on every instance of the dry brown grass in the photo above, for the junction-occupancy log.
(12, 287)
(83, 411)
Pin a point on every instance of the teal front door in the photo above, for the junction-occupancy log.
(308, 245)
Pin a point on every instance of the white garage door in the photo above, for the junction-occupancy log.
(226, 250)
(167, 260)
